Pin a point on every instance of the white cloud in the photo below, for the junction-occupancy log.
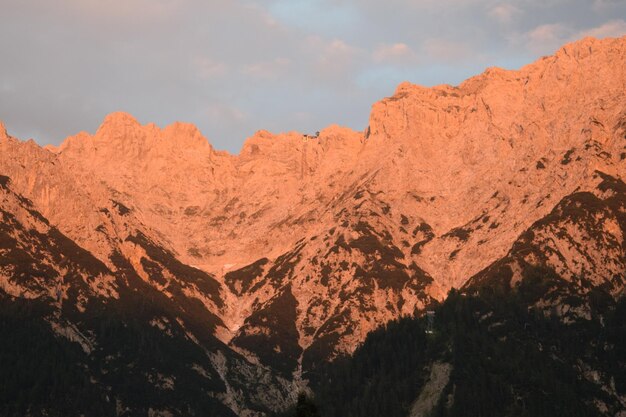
(545, 39)
(547, 33)
(611, 29)
(396, 53)
(267, 69)
(333, 59)
(338, 47)
(504, 12)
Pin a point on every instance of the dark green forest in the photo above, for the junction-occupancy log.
(508, 359)
(44, 375)
(39, 369)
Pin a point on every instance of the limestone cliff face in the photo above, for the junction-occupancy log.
(300, 245)
(500, 150)
(128, 288)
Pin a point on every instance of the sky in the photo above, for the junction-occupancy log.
(233, 67)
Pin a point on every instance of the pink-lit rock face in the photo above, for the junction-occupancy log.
(315, 241)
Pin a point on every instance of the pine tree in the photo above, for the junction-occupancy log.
(305, 407)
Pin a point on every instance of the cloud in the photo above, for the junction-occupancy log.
(604, 5)
(313, 15)
(504, 12)
(547, 38)
(207, 68)
(267, 69)
(219, 112)
(443, 50)
(332, 60)
(127, 9)
(611, 29)
(396, 53)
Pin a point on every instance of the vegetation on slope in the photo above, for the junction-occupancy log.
(508, 359)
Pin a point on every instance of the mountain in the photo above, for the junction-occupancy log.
(135, 333)
(221, 283)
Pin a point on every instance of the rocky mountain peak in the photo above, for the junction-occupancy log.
(117, 123)
(185, 135)
(3, 131)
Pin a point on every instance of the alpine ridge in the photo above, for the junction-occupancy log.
(261, 266)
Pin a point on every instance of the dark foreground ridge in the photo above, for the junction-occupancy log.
(503, 358)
